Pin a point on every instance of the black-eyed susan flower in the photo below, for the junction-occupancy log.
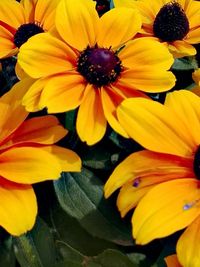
(90, 66)
(20, 21)
(27, 155)
(175, 23)
(163, 180)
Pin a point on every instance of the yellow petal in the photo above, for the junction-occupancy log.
(28, 165)
(77, 22)
(124, 3)
(140, 167)
(45, 13)
(161, 213)
(12, 112)
(68, 159)
(63, 92)
(172, 261)
(29, 9)
(42, 130)
(18, 207)
(145, 119)
(12, 13)
(91, 122)
(31, 99)
(138, 54)
(52, 56)
(117, 20)
(188, 247)
(185, 105)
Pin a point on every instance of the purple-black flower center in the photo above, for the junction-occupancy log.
(25, 31)
(171, 23)
(99, 66)
(196, 163)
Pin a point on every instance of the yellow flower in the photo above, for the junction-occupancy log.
(176, 23)
(163, 180)
(20, 21)
(172, 261)
(85, 66)
(27, 156)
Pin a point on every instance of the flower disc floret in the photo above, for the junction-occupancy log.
(99, 66)
(25, 31)
(171, 23)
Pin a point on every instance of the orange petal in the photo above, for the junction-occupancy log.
(91, 122)
(165, 209)
(68, 159)
(172, 261)
(29, 9)
(77, 22)
(42, 130)
(117, 20)
(18, 207)
(33, 58)
(29, 165)
(143, 119)
(182, 49)
(188, 247)
(63, 92)
(8, 48)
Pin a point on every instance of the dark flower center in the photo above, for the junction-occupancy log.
(171, 23)
(196, 164)
(99, 66)
(25, 31)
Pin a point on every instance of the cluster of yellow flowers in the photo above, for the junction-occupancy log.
(68, 57)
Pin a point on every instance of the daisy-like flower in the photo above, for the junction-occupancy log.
(163, 180)
(20, 21)
(172, 261)
(27, 156)
(176, 23)
(89, 66)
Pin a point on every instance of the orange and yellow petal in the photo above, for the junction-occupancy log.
(8, 48)
(31, 99)
(110, 101)
(52, 56)
(143, 119)
(161, 213)
(172, 261)
(117, 20)
(181, 49)
(188, 247)
(91, 122)
(63, 92)
(185, 105)
(29, 165)
(192, 11)
(18, 208)
(68, 159)
(44, 130)
(45, 13)
(12, 13)
(140, 167)
(77, 22)
(29, 9)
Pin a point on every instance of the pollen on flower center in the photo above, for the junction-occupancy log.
(99, 66)
(196, 163)
(25, 31)
(171, 23)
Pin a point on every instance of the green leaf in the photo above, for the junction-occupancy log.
(70, 119)
(36, 248)
(69, 234)
(7, 256)
(185, 64)
(81, 196)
